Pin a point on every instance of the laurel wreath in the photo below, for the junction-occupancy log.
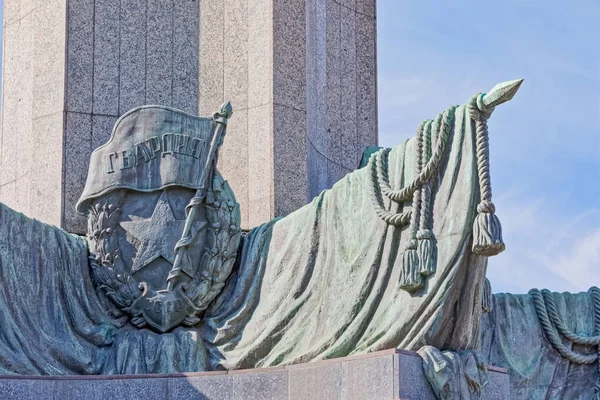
(220, 249)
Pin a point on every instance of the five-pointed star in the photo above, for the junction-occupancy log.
(157, 235)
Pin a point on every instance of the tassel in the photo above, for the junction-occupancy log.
(487, 231)
(427, 252)
(410, 279)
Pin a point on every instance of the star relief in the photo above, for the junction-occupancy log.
(157, 235)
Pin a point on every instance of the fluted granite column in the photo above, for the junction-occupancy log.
(301, 75)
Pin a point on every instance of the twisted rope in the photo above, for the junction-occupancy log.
(487, 230)
(375, 162)
(426, 211)
(549, 325)
(426, 171)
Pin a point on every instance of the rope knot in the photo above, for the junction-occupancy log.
(486, 206)
(478, 111)
(424, 234)
(412, 245)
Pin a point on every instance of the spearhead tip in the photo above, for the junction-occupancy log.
(226, 110)
(501, 93)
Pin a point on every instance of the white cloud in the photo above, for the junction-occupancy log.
(547, 245)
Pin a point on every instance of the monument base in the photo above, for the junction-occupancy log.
(389, 374)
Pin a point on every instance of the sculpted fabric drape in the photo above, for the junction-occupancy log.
(319, 283)
(322, 282)
(512, 338)
(52, 322)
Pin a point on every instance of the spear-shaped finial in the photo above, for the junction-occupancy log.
(501, 93)
(226, 110)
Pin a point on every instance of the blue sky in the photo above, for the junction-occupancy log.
(544, 144)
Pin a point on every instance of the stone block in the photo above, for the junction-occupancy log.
(289, 167)
(410, 381)
(211, 62)
(45, 194)
(132, 56)
(235, 85)
(348, 120)
(289, 53)
(233, 160)
(80, 56)
(102, 126)
(335, 172)
(266, 384)
(159, 52)
(260, 162)
(106, 63)
(316, 176)
(366, 73)
(369, 377)
(49, 31)
(366, 7)
(322, 380)
(333, 94)
(12, 11)
(78, 134)
(102, 389)
(186, 52)
(212, 386)
(260, 52)
(26, 389)
(8, 194)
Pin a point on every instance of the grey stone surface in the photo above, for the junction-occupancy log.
(129, 389)
(21, 389)
(369, 377)
(411, 382)
(289, 152)
(323, 381)
(80, 56)
(366, 86)
(382, 375)
(211, 57)
(45, 195)
(186, 52)
(341, 105)
(217, 386)
(267, 385)
(76, 158)
(260, 57)
(236, 148)
(49, 25)
(106, 57)
(132, 54)
(159, 52)
(260, 174)
(235, 61)
(103, 57)
(289, 54)
(366, 7)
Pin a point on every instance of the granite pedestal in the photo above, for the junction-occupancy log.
(390, 374)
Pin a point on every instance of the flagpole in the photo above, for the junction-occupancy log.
(220, 117)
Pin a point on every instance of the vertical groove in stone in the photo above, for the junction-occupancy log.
(106, 64)
(132, 55)
(289, 106)
(234, 153)
(159, 52)
(211, 56)
(186, 49)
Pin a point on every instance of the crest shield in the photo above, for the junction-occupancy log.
(163, 226)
